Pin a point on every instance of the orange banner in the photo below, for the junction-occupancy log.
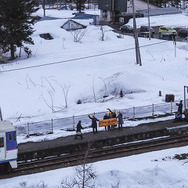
(107, 122)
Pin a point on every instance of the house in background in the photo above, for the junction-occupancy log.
(109, 9)
(120, 11)
(71, 25)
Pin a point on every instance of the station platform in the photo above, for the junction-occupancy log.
(68, 144)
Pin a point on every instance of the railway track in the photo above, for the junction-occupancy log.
(92, 155)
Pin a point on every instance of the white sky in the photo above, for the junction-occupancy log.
(27, 92)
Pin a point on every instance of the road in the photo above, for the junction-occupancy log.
(156, 35)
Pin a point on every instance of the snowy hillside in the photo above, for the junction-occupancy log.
(35, 89)
(90, 69)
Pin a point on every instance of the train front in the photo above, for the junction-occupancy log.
(8, 146)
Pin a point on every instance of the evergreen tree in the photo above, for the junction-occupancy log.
(80, 5)
(16, 23)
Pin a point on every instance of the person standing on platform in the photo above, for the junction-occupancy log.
(78, 130)
(113, 114)
(94, 123)
(120, 120)
(106, 116)
(180, 107)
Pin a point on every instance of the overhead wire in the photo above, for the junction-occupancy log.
(79, 58)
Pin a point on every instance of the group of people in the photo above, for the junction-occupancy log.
(111, 114)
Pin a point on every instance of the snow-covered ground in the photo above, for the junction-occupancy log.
(157, 169)
(29, 90)
(87, 71)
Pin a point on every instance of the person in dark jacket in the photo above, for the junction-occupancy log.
(112, 112)
(78, 130)
(106, 116)
(120, 120)
(94, 123)
(180, 107)
(113, 115)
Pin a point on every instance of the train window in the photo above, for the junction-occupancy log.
(14, 136)
(1, 142)
(10, 137)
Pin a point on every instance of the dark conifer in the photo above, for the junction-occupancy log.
(80, 5)
(16, 23)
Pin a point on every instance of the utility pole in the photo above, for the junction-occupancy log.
(185, 97)
(137, 49)
(149, 20)
(1, 116)
(174, 42)
(44, 7)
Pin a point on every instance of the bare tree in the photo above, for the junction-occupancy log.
(51, 106)
(65, 89)
(105, 87)
(84, 174)
(78, 34)
(68, 183)
(50, 84)
(101, 23)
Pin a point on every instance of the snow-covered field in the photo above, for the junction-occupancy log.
(87, 71)
(30, 91)
(157, 169)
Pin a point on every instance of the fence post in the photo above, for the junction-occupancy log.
(28, 130)
(52, 126)
(73, 122)
(152, 109)
(133, 112)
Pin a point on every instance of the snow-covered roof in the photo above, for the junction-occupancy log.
(6, 126)
(160, 11)
(72, 25)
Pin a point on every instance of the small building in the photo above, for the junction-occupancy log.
(71, 25)
(120, 11)
(109, 9)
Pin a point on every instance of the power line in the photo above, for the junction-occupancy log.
(80, 58)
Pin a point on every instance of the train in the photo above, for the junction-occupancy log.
(8, 146)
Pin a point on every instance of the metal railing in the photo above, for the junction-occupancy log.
(69, 123)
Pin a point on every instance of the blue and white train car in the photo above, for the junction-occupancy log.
(8, 145)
